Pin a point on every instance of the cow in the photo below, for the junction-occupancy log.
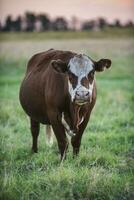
(59, 91)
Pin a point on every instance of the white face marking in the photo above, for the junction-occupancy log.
(68, 130)
(80, 66)
(71, 90)
(91, 88)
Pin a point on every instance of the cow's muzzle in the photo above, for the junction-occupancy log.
(82, 97)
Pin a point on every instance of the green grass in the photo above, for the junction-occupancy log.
(106, 33)
(104, 169)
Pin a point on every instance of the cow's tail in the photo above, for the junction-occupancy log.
(49, 135)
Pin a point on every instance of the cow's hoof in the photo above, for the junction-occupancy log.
(34, 151)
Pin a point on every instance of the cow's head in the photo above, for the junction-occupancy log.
(81, 70)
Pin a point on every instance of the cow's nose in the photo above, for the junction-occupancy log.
(82, 94)
(87, 94)
(77, 94)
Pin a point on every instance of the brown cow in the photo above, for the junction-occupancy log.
(59, 90)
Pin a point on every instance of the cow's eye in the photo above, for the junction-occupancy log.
(91, 74)
(70, 76)
(73, 79)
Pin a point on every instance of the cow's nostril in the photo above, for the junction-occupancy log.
(87, 94)
(77, 93)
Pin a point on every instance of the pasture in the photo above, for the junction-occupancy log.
(104, 169)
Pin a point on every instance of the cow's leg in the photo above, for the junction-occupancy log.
(76, 140)
(59, 131)
(35, 126)
(49, 135)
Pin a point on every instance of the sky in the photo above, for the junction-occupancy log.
(82, 9)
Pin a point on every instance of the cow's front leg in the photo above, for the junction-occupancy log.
(76, 140)
(67, 125)
(59, 131)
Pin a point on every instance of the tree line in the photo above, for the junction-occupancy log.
(41, 22)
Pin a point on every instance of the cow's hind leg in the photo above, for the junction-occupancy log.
(35, 127)
(49, 135)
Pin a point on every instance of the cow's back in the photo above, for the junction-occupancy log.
(41, 60)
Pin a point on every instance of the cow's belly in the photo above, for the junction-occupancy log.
(33, 102)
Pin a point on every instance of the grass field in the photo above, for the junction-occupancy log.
(106, 33)
(104, 170)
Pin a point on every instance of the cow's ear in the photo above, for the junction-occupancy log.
(59, 66)
(102, 64)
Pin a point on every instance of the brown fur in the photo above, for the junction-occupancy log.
(44, 96)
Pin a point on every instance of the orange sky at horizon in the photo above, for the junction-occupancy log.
(82, 9)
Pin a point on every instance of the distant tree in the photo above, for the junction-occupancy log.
(88, 25)
(16, 24)
(102, 23)
(60, 24)
(117, 23)
(0, 27)
(129, 24)
(45, 21)
(74, 23)
(30, 21)
(8, 23)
